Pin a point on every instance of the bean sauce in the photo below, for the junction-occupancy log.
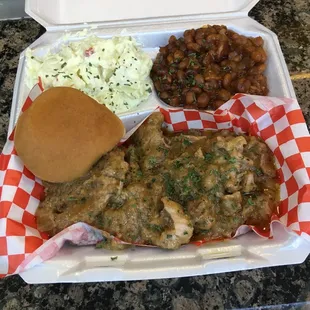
(205, 67)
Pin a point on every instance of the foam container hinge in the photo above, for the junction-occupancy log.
(87, 264)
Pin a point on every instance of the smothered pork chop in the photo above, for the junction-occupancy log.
(166, 189)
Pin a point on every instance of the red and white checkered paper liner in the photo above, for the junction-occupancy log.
(279, 122)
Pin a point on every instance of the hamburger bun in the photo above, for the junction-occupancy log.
(64, 132)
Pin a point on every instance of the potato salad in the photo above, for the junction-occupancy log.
(115, 71)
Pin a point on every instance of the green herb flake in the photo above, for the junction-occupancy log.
(214, 172)
(171, 71)
(194, 176)
(72, 198)
(156, 227)
(234, 206)
(259, 172)
(100, 245)
(186, 142)
(208, 157)
(63, 65)
(163, 149)
(169, 236)
(152, 161)
(169, 185)
(250, 202)
(232, 160)
(185, 233)
(177, 164)
(139, 173)
(114, 258)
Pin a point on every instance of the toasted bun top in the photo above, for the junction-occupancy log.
(63, 133)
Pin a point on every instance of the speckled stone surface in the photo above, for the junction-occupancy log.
(276, 288)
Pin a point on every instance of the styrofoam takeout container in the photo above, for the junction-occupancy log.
(152, 24)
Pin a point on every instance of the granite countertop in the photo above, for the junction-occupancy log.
(279, 287)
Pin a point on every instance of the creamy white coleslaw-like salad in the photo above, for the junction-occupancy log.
(115, 71)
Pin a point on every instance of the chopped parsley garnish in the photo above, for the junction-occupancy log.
(171, 70)
(259, 172)
(208, 157)
(186, 142)
(223, 152)
(214, 172)
(156, 227)
(72, 198)
(139, 173)
(232, 160)
(101, 244)
(152, 161)
(114, 258)
(163, 149)
(177, 164)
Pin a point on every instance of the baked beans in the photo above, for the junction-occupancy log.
(207, 66)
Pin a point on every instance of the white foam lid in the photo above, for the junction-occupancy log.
(57, 13)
